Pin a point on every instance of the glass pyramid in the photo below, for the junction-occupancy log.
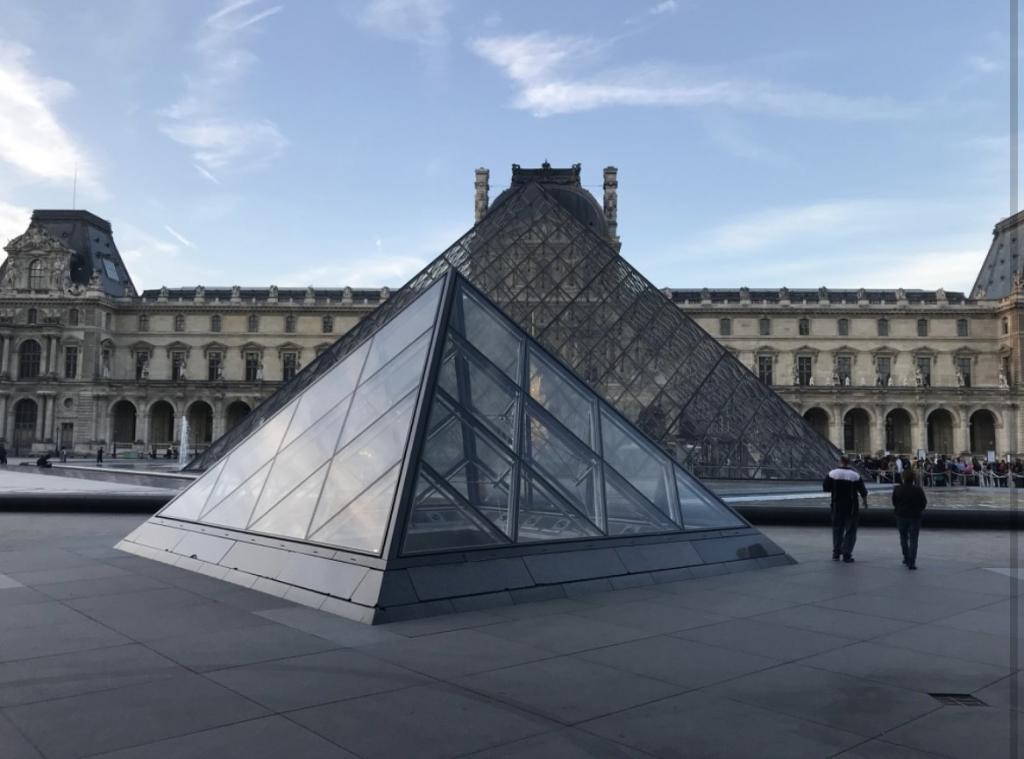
(567, 288)
(448, 429)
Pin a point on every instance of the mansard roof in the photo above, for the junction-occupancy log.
(803, 296)
(92, 240)
(368, 295)
(1002, 263)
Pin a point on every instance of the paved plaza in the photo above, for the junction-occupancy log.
(104, 654)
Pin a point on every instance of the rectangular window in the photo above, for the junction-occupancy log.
(765, 364)
(725, 327)
(764, 327)
(884, 364)
(289, 365)
(141, 362)
(177, 363)
(844, 327)
(924, 370)
(71, 362)
(963, 328)
(213, 367)
(883, 327)
(1007, 377)
(252, 366)
(922, 328)
(844, 370)
(804, 367)
(963, 365)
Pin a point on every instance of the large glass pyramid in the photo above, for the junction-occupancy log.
(567, 288)
(448, 432)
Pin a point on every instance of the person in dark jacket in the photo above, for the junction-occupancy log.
(909, 500)
(847, 489)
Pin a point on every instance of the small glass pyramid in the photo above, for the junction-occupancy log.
(508, 447)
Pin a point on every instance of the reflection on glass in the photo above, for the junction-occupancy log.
(385, 389)
(234, 510)
(644, 467)
(393, 338)
(628, 513)
(189, 504)
(290, 518)
(562, 398)
(700, 510)
(491, 336)
(362, 524)
(327, 393)
(487, 393)
(565, 463)
(545, 516)
(437, 523)
(365, 459)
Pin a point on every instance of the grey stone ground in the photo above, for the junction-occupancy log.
(103, 654)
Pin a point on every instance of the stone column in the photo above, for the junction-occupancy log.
(5, 359)
(102, 433)
(40, 417)
(879, 433)
(921, 433)
(836, 427)
(4, 403)
(219, 420)
(142, 425)
(961, 432)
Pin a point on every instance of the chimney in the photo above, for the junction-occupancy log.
(482, 187)
(611, 204)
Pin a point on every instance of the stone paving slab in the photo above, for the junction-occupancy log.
(109, 655)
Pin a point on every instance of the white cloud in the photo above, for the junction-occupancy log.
(420, 21)
(13, 222)
(178, 236)
(200, 118)
(540, 65)
(666, 6)
(360, 272)
(31, 137)
(982, 65)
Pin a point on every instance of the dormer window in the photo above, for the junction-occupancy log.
(36, 275)
(31, 317)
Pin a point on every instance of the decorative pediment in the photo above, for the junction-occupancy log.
(966, 352)
(289, 348)
(767, 350)
(845, 350)
(36, 240)
(179, 347)
(806, 350)
(214, 347)
(141, 346)
(251, 347)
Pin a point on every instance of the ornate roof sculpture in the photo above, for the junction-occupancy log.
(566, 286)
(447, 457)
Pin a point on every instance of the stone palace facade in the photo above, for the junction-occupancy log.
(86, 361)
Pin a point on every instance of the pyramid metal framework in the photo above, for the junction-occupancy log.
(447, 460)
(568, 288)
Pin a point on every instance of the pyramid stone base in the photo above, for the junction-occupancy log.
(363, 589)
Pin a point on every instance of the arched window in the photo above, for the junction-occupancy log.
(764, 326)
(725, 327)
(31, 317)
(215, 323)
(843, 327)
(963, 328)
(29, 355)
(289, 323)
(73, 317)
(804, 326)
(922, 328)
(179, 322)
(254, 323)
(327, 324)
(883, 327)
(143, 323)
(36, 275)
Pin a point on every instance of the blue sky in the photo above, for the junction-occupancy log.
(794, 142)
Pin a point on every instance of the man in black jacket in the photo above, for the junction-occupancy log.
(909, 500)
(847, 488)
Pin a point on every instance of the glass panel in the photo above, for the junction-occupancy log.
(437, 523)
(545, 516)
(640, 463)
(253, 453)
(234, 510)
(493, 401)
(490, 335)
(565, 463)
(701, 510)
(385, 389)
(393, 338)
(553, 390)
(362, 524)
(290, 518)
(365, 459)
(628, 512)
(300, 459)
(330, 390)
(189, 503)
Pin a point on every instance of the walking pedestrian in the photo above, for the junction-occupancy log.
(847, 489)
(99, 456)
(909, 500)
(3, 455)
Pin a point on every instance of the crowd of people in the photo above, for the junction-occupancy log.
(942, 471)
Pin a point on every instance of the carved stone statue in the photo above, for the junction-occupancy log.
(259, 372)
(959, 378)
(847, 380)
(145, 369)
(183, 370)
(810, 380)
(1004, 381)
(918, 377)
(835, 377)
